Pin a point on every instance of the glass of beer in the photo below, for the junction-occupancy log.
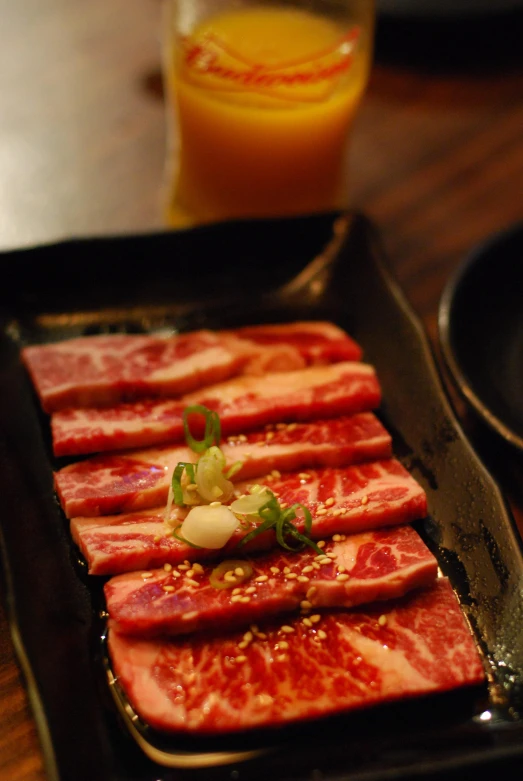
(260, 100)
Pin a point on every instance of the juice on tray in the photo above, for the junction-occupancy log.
(264, 98)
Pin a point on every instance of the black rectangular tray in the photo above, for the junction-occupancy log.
(327, 267)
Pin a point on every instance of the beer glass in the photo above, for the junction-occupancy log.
(260, 100)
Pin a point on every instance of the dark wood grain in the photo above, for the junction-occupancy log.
(437, 162)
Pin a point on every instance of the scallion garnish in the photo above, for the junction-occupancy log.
(181, 538)
(274, 517)
(176, 481)
(212, 432)
(233, 469)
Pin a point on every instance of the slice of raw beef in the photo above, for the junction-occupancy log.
(353, 499)
(292, 670)
(243, 404)
(356, 569)
(311, 343)
(134, 480)
(103, 370)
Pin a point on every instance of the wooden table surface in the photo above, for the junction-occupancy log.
(437, 162)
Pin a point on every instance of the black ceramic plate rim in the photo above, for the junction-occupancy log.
(423, 357)
(446, 316)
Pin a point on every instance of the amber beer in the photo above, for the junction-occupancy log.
(263, 96)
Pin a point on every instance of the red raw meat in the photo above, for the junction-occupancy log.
(135, 480)
(103, 370)
(293, 672)
(243, 403)
(366, 496)
(366, 567)
(311, 343)
(94, 371)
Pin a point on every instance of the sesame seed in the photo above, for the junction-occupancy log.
(321, 544)
(341, 568)
(147, 574)
(365, 500)
(243, 644)
(261, 635)
(241, 659)
(245, 599)
(261, 579)
(281, 658)
(168, 588)
(308, 568)
(184, 567)
(239, 571)
(197, 568)
(176, 574)
(291, 576)
(242, 438)
(167, 567)
(190, 573)
(286, 570)
(291, 426)
(336, 538)
(382, 620)
(287, 629)
(253, 628)
(275, 570)
(236, 591)
(250, 590)
(304, 475)
(283, 645)
(315, 565)
(311, 592)
(191, 582)
(321, 634)
(269, 435)
(157, 539)
(325, 560)
(343, 537)
(236, 598)
(248, 636)
(337, 512)
(321, 511)
(342, 578)
(331, 555)
(329, 502)
(305, 604)
(306, 621)
(230, 577)
(215, 504)
(315, 618)
(303, 579)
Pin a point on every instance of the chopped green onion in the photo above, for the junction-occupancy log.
(212, 483)
(212, 433)
(234, 469)
(273, 517)
(181, 538)
(217, 579)
(176, 481)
